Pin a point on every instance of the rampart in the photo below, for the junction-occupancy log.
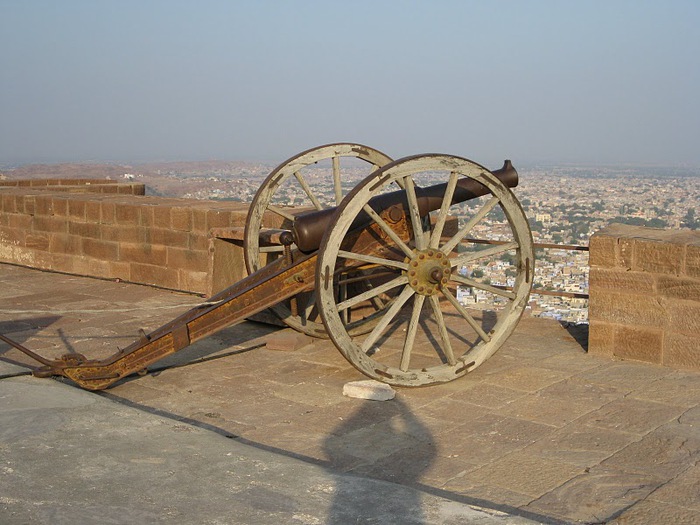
(644, 282)
(645, 295)
(111, 230)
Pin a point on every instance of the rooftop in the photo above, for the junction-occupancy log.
(234, 430)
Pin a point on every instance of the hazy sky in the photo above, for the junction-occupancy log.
(536, 81)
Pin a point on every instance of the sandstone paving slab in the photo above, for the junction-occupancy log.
(507, 429)
(581, 445)
(488, 395)
(647, 511)
(376, 442)
(664, 452)
(442, 469)
(625, 375)
(679, 387)
(474, 487)
(595, 496)
(632, 415)
(528, 378)
(691, 417)
(408, 465)
(562, 402)
(476, 451)
(683, 490)
(579, 390)
(527, 474)
(451, 409)
(549, 410)
(311, 393)
(575, 362)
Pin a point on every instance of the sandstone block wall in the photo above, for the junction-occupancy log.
(645, 295)
(111, 230)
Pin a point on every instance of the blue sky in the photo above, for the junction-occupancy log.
(595, 82)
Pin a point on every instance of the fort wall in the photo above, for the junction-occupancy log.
(112, 230)
(645, 295)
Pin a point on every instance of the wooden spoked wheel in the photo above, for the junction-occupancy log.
(312, 180)
(456, 301)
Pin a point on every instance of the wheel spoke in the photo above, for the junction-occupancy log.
(388, 230)
(342, 296)
(444, 210)
(373, 260)
(372, 293)
(489, 252)
(418, 232)
(310, 305)
(411, 332)
(307, 189)
(461, 234)
(442, 328)
(485, 287)
(280, 211)
(466, 315)
(398, 303)
(336, 180)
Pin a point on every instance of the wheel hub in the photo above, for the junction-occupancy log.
(428, 270)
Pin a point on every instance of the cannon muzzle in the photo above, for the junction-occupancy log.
(309, 228)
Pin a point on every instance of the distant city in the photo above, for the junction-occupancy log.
(564, 205)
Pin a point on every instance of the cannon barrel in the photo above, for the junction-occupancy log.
(309, 228)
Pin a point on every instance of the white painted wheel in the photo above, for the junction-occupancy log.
(451, 311)
(312, 180)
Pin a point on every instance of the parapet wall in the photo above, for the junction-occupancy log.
(645, 295)
(111, 230)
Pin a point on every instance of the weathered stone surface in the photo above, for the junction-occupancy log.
(658, 257)
(528, 378)
(681, 288)
(680, 388)
(621, 280)
(668, 451)
(596, 496)
(581, 445)
(692, 260)
(682, 490)
(682, 351)
(287, 340)
(624, 376)
(639, 343)
(601, 337)
(649, 511)
(489, 395)
(684, 317)
(627, 308)
(369, 389)
(632, 415)
(444, 438)
(527, 474)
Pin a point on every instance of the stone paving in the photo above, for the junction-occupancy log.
(542, 429)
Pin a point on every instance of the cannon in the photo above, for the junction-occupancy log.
(388, 270)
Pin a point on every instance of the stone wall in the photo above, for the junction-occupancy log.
(645, 295)
(111, 230)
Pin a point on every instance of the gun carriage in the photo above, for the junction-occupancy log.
(378, 269)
